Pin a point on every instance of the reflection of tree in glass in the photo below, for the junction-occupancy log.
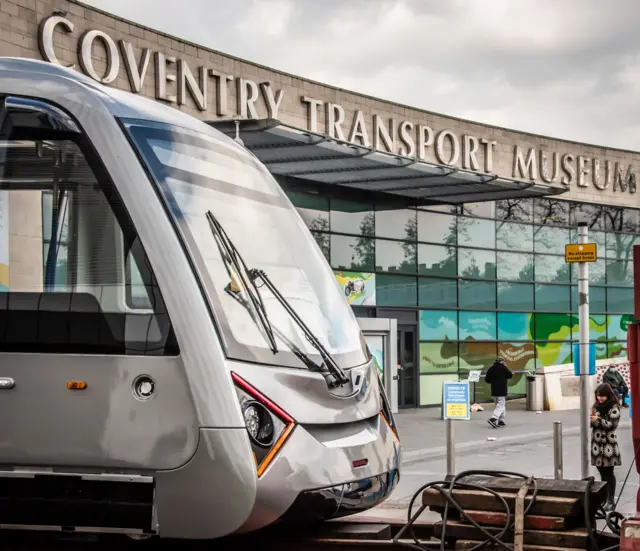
(620, 245)
(468, 257)
(514, 210)
(448, 266)
(364, 248)
(548, 212)
(321, 224)
(410, 248)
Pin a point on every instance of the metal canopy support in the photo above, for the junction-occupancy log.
(318, 158)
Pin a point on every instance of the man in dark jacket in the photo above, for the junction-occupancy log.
(497, 377)
(615, 380)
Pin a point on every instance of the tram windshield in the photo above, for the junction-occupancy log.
(197, 173)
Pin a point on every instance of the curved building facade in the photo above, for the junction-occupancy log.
(454, 228)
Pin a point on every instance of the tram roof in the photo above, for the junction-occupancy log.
(332, 165)
(63, 85)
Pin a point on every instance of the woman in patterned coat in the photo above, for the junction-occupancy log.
(605, 452)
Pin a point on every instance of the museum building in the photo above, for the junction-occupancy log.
(454, 228)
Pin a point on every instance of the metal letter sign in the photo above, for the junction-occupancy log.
(455, 400)
(580, 252)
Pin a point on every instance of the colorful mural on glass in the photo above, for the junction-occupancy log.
(359, 288)
(525, 340)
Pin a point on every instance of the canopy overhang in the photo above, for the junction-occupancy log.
(292, 152)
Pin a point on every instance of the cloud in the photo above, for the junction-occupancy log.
(568, 69)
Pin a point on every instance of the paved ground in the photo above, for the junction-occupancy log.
(525, 446)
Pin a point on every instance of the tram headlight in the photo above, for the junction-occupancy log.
(259, 423)
(268, 425)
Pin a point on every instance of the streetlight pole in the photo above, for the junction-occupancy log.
(583, 321)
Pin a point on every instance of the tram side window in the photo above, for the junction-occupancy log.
(78, 279)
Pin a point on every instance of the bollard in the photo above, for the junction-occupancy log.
(451, 456)
(557, 450)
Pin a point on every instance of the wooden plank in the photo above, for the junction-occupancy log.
(482, 501)
(356, 531)
(546, 486)
(518, 530)
(533, 522)
(570, 539)
(469, 544)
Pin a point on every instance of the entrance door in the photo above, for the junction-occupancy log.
(408, 372)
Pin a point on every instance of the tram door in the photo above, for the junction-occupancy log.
(407, 366)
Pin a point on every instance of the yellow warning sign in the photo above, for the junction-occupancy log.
(580, 252)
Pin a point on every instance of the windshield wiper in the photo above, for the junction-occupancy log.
(334, 369)
(332, 366)
(241, 269)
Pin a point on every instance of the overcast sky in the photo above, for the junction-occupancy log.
(565, 68)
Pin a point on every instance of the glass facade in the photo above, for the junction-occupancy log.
(486, 279)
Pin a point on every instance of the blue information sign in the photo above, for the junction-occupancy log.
(455, 400)
(592, 359)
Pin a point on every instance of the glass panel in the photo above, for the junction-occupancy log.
(352, 253)
(515, 296)
(397, 224)
(597, 299)
(473, 232)
(352, 217)
(359, 288)
(195, 173)
(620, 246)
(601, 351)
(324, 242)
(621, 220)
(436, 260)
(619, 300)
(515, 266)
(597, 272)
(477, 295)
(549, 212)
(439, 357)
(477, 326)
(395, 256)
(314, 209)
(597, 237)
(554, 353)
(392, 290)
(477, 355)
(619, 272)
(617, 349)
(515, 209)
(431, 388)
(476, 263)
(520, 356)
(552, 269)
(515, 326)
(591, 214)
(408, 351)
(598, 328)
(555, 327)
(437, 293)
(550, 240)
(553, 298)
(438, 325)
(74, 273)
(617, 327)
(436, 228)
(514, 237)
(485, 209)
